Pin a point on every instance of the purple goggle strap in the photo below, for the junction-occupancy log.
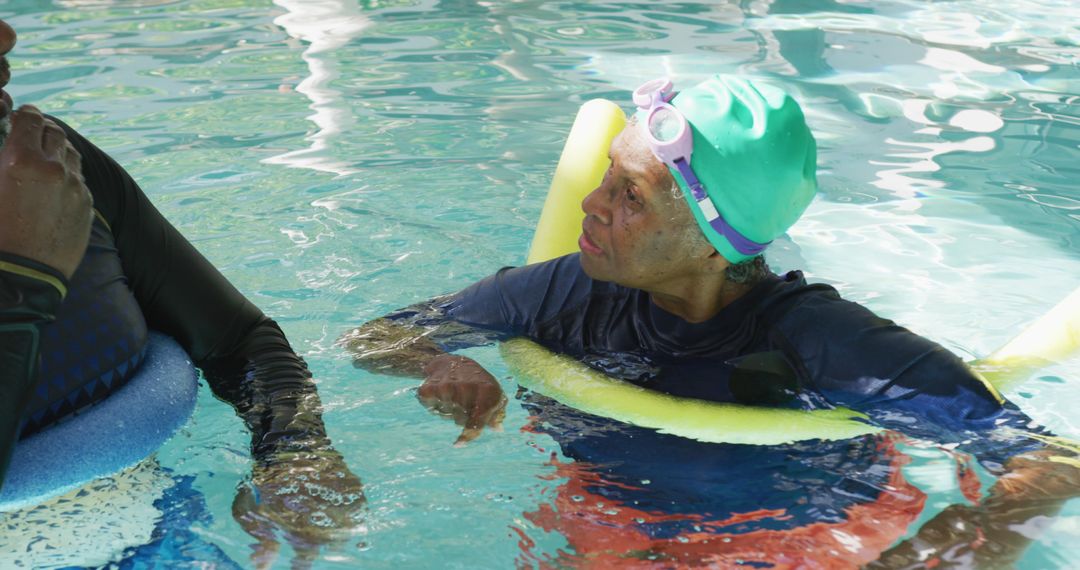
(661, 95)
(708, 210)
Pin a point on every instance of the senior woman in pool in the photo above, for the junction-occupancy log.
(671, 278)
(59, 193)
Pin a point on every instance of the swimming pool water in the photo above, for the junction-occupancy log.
(338, 159)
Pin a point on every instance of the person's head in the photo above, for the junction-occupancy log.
(7, 41)
(751, 174)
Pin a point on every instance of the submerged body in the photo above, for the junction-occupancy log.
(663, 491)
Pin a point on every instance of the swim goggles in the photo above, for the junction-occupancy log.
(669, 136)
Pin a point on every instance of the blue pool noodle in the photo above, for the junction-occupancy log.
(116, 433)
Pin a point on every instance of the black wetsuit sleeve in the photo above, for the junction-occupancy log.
(245, 356)
(30, 293)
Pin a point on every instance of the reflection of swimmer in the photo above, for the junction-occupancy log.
(74, 320)
(676, 502)
(670, 291)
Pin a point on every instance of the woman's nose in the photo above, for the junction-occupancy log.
(594, 204)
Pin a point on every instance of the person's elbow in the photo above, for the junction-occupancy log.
(366, 342)
(1049, 474)
(384, 346)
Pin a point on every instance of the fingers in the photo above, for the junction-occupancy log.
(245, 509)
(37, 136)
(27, 124)
(304, 554)
(56, 147)
(311, 502)
(264, 553)
(31, 130)
(474, 424)
(495, 420)
(468, 434)
(54, 142)
(73, 161)
(480, 415)
(472, 418)
(460, 388)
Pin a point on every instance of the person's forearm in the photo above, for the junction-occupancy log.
(272, 391)
(995, 532)
(388, 347)
(454, 386)
(30, 294)
(1034, 485)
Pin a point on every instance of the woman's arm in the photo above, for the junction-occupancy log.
(995, 532)
(454, 386)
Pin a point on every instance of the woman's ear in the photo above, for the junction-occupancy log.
(715, 262)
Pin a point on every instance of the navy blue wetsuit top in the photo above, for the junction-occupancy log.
(784, 343)
(800, 337)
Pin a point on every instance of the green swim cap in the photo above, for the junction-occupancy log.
(754, 155)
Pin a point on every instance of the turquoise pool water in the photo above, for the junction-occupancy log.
(338, 159)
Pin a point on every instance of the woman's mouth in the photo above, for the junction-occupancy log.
(587, 245)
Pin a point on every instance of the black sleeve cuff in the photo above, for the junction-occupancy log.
(29, 290)
(272, 391)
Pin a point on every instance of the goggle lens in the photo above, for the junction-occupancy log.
(666, 125)
(672, 142)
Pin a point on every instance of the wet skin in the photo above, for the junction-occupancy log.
(631, 232)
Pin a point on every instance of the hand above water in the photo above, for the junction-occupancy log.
(309, 499)
(47, 208)
(459, 388)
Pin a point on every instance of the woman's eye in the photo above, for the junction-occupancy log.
(631, 196)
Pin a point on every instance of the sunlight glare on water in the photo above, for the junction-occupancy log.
(338, 159)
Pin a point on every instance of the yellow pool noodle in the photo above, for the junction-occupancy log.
(581, 167)
(1054, 337)
(569, 381)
